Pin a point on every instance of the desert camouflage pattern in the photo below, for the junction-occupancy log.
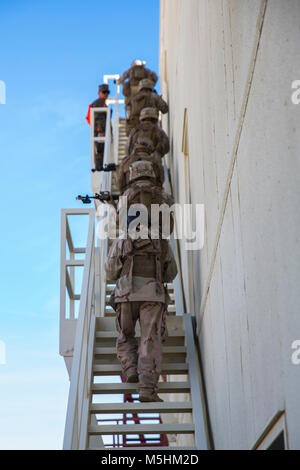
(143, 99)
(145, 360)
(149, 130)
(146, 98)
(140, 267)
(136, 73)
(123, 170)
(144, 192)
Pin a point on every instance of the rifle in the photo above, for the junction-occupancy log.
(102, 196)
(108, 167)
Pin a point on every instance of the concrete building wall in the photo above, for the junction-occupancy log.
(227, 67)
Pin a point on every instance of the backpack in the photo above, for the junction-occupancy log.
(123, 170)
(139, 101)
(147, 130)
(144, 192)
(137, 73)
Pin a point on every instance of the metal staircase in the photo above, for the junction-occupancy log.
(98, 417)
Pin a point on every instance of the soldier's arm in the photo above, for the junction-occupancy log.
(170, 267)
(120, 175)
(163, 146)
(123, 77)
(153, 77)
(130, 142)
(161, 104)
(113, 264)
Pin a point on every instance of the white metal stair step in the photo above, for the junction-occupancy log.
(172, 296)
(115, 369)
(109, 340)
(121, 388)
(110, 286)
(102, 360)
(115, 334)
(108, 324)
(172, 428)
(111, 313)
(153, 407)
(171, 308)
(178, 351)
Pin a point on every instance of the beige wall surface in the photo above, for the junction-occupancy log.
(231, 64)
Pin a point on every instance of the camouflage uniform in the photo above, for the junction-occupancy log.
(148, 130)
(145, 98)
(142, 151)
(140, 178)
(135, 74)
(140, 268)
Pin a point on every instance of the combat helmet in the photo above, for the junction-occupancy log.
(146, 83)
(138, 62)
(141, 169)
(147, 113)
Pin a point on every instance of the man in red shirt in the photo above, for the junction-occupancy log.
(100, 123)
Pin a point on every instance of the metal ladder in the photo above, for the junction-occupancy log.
(94, 412)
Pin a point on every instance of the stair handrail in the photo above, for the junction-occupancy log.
(75, 436)
(110, 156)
(178, 282)
(68, 265)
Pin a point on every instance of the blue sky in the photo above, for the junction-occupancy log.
(53, 56)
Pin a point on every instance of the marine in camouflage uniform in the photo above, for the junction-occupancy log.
(131, 78)
(148, 129)
(143, 149)
(141, 267)
(140, 178)
(145, 98)
(100, 123)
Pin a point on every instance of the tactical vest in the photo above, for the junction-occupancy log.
(144, 258)
(144, 192)
(141, 100)
(136, 74)
(123, 170)
(126, 89)
(149, 131)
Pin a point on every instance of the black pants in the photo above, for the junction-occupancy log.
(99, 155)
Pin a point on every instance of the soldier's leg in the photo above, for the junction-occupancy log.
(150, 354)
(134, 89)
(99, 155)
(127, 345)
